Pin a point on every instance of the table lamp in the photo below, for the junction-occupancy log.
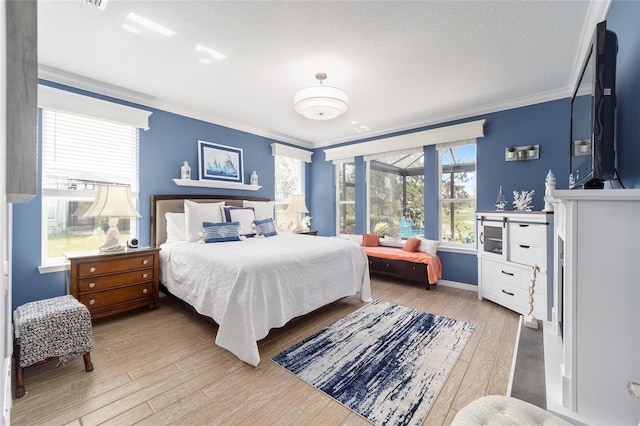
(112, 201)
(297, 205)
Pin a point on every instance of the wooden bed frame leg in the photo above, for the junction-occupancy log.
(88, 366)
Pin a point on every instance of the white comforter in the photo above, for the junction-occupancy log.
(249, 287)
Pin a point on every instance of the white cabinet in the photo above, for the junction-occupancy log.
(592, 344)
(510, 245)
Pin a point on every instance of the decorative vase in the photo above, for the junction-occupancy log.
(584, 148)
(531, 153)
(254, 178)
(511, 155)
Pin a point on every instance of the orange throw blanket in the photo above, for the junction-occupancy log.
(434, 266)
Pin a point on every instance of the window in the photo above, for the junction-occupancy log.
(78, 153)
(457, 202)
(346, 198)
(288, 181)
(396, 193)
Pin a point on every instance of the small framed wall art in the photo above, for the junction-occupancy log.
(220, 162)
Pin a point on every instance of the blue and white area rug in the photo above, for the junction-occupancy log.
(383, 361)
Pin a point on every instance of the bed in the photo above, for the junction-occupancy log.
(253, 285)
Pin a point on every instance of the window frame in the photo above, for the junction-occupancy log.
(339, 201)
(449, 245)
(299, 190)
(86, 194)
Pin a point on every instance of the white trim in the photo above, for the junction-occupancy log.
(62, 100)
(408, 151)
(291, 152)
(515, 355)
(54, 267)
(457, 132)
(455, 284)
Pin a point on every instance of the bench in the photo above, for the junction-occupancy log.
(413, 266)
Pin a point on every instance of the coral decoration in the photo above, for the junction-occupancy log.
(523, 200)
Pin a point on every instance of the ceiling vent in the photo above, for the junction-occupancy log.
(98, 4)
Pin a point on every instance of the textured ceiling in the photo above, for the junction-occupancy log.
(403, 64)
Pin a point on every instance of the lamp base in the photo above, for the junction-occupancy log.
(112, 242)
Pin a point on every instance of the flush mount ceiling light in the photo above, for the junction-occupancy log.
(321, 102)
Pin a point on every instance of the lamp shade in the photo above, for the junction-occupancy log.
(321, 102)
(297, 204)
(112, 201)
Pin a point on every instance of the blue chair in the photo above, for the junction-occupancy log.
(405, 228)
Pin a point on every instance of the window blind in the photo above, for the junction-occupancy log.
(80, 150)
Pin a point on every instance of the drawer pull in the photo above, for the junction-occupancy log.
(524, 247)
(145, 275)
(507, 273)
(144, 291)
(506, 292)
(92, 302)
(522, 225)
(144, 262)
(92, 269)
(92, 285)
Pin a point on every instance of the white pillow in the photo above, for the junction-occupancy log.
(196, 213)
(176, 228)
(244, 216)
(263, 209)
(428, 246)
(355, 238)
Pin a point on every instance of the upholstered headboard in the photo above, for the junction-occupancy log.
(161, 204)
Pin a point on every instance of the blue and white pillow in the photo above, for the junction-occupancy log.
(265, 227)
(219, 232)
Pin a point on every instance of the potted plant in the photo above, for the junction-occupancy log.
(511, 152)
(531, 151)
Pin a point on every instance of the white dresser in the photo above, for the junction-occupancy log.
(592, 343)
(510, 244)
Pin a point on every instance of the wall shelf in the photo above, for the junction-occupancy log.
(522, 153)
(216, 184)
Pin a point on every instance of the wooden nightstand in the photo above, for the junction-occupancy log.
(111, 282)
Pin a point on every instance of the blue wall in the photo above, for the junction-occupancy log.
(172, 139)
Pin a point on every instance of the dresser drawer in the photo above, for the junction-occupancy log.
(526, 254)
(531, 234)
(513, 275)
(115, 265)
(100, 299)
(115, 280)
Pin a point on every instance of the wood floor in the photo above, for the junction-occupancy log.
(161, 367)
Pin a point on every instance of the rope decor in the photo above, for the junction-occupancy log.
(529, 320)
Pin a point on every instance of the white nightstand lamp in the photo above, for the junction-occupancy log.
(112, 201)
(297, 205)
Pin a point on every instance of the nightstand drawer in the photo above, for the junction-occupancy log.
(529, 255)
(111, 297)
(115, 265)
(116, 280)
(532, 234)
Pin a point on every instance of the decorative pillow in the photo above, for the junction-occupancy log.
(411, 245)
(197, 213)
(265, 227)
(220, 232)
(176, 228)
(263, 209)
(243, 215)
(370, 240)
(428, 246)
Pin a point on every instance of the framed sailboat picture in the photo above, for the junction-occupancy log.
(220, 162)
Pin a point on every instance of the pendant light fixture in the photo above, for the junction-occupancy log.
(321, 102)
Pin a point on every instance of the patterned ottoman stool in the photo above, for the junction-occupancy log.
(48, 329)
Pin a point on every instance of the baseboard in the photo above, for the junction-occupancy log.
(455, 284)
(515, 356)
